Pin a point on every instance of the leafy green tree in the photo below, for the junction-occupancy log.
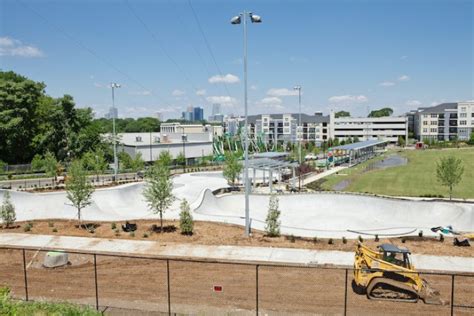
(3, 166)
(181, 160)
(51, 166)
(158, 190)
(78, 188)
(7, 211)
(401, 141)
(95, 161)
(381, 113)
(449, 172)
(164, 159)
(125, 161)
(37, 164)
(18, 103)
(232, 168)
(471, 139)
(342, 114)
(272, 227)
(356, 139)
(186, 223)
(138, 163)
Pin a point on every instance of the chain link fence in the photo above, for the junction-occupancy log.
(175, 286)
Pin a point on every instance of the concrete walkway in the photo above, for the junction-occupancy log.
(322, 174)
(263, 255)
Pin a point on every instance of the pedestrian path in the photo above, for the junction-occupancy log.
(262, 255)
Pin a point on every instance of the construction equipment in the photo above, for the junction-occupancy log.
(389, 275)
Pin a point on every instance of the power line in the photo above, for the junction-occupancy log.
(155, 38)
(207, 45)
(87, 49)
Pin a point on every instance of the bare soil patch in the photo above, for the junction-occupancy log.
(210, 233)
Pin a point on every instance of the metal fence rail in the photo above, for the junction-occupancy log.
(171, 285)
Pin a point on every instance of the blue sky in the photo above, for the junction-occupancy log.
(347, 55)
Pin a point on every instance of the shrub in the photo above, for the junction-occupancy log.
(377, 237)
(132, 234)
(186, 222)
(7, 211)
(315, 239)
(441, 237)
(50, 224)
(330, 241)
(113, 226)
(27, 227)
(145, 235)
(403, 240)
(117, 232)
(272, 227)
(360, 238)
(344, 240)
(420, 233)
(291, 238)
(55, 230)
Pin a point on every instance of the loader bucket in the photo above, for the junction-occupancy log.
(430, 295)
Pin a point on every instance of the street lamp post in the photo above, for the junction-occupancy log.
(114, 86)
(300, 130)
(237, 20)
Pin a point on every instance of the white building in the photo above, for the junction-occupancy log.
(465, 119)
(367, 128)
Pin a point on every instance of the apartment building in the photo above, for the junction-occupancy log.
(367, 128)
(284, 127)
(445, 121)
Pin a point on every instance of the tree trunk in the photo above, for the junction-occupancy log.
(79, 217)
(161, 222)
(450, 192)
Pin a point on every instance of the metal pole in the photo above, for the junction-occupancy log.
(151, 157)
(452, 294)
(345, 296)
(113, 132)
(169, 286)
(25, 275)
(96, 284)
(256, 288)
(246, 152)
(299, 136)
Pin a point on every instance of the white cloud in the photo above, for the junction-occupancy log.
(143, 92)
(387, 84)
(201, 92)
(178, 93)
(413, 103)
(403, 78)
(283, 92)
(253, 87)
(229, 78)
(348, 99)
(223, 100)
(13, 47)
(270, 102)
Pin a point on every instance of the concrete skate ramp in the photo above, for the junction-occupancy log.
(119, 203)
(335, 215)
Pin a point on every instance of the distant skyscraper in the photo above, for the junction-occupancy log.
(198, 114)
(113, 113)
(159, 116)
(216, 109)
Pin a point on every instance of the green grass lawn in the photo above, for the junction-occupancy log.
(417, 178)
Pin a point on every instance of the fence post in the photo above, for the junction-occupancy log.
(452, 294)
(169, 291)
(345, 296)
(96, 284)
(256, 288)
(24, 273)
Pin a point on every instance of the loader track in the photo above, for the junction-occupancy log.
(391, 290)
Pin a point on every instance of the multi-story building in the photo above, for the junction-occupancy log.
(113, 113)
(366, 128)
(446, 121)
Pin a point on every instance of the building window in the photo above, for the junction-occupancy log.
(425, 115)
(463, 122)
(425, 122)
(138, 139)
(434, 130)
(463, 115)
(463, 109)
(434, 115)
(434, 123)
(425, 130)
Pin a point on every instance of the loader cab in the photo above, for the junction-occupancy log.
(395, 255)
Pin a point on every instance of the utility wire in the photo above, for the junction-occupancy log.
(87, 49)
(155, 38)
(207, 44)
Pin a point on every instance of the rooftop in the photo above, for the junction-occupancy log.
(271, 155)
(361, 145)
(439, 108)
(305, 118)
(392, 248)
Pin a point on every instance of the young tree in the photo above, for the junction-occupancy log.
(164, 159)
(186, 223)
(181, 160)
(95, 161)
(138, 163)
(7, 210)
(232, 168)
(50, 164)
(78, 189)
(449, 172)
(471, 139)
(401, 141)
(37, 163)
(272, 227)
(158, 190)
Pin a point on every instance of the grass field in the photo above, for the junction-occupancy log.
(417, 178)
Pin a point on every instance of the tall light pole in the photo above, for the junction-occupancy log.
(300, 129)
(114, 86)
(237, 20)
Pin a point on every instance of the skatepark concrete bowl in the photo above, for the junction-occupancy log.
(320, 214)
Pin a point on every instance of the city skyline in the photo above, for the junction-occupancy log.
(336, 51)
